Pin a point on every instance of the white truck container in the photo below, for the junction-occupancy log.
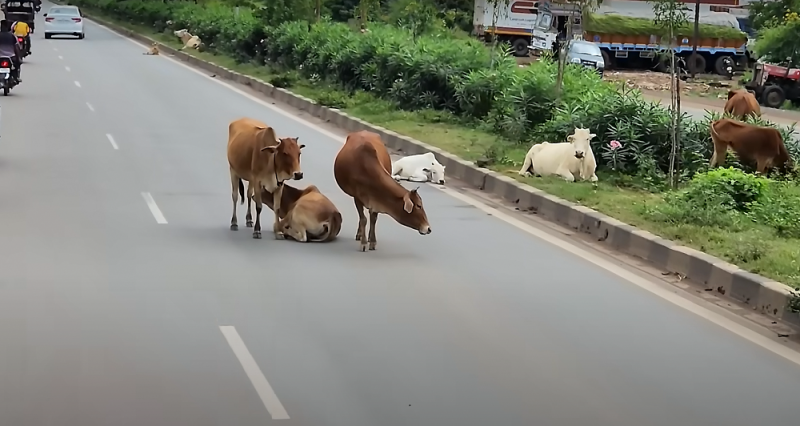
(521, 23)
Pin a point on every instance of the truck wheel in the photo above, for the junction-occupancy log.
(607, 61)
(696, 63)
(719, 64)
(773, 96)
(520, 47)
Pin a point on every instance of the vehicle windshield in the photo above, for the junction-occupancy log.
(64, 11)
(585, 49)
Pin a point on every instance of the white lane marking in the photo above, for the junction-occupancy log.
(55, 48)
(91, 108)
(77, 83)
(740, 330)
(67, 68)
(151, 203)
(112, 141)
(60, 57)
(250, 366)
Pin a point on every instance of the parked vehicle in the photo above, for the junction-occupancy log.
(585, 53)
(518, 23)
(8, 78)
(63, 20)
(774, 84)
(20, 10)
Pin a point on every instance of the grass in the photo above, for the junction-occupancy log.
(756, 249)
(627, 25)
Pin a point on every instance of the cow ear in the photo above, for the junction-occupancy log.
(301, 146)
(426, 170)
(408, 205)
(592, 136)
(570, 138)
(270, 148)
(260, 127)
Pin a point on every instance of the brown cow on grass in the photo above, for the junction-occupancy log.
(363, 170)
(306, 214)
(762, 145)
(742, 103)
(256, 155)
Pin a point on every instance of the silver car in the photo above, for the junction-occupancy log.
(585, 53)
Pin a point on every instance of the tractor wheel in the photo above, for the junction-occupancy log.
(773, 96)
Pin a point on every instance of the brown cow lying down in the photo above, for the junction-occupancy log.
(741, 103)
(306, 215)
(362, 169)
(762, 145)
(256, 155)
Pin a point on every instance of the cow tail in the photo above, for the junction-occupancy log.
(241, 191)
(334, 226)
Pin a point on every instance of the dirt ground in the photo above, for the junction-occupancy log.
(704, 85)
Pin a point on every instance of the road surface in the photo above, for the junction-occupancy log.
(126, 301)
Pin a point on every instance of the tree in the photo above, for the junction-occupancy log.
(419, 16)
(584, 7)
(779, 41)
(669, 15)
(499, 8)
(770, 13)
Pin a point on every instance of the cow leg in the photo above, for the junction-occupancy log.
(526, 166)
(249, 216)
(276, 204)
(362, 221)
(564, 172)
(418, 176)
(373, 240)
(720, 152)
(259, 207)
(235, 198)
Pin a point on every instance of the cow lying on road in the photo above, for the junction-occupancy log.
(306, 215)
(571, 160)
(256, 155)
(761, 145)
(416, 168)
(362, 170)
(741, 103)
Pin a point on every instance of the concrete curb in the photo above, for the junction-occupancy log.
(763, 295)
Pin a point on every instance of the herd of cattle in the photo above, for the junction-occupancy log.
(763, 146)
(362, 169)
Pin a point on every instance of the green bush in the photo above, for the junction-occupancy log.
(436, 71)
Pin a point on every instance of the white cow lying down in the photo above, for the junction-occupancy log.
(571, 160)
(415, 168)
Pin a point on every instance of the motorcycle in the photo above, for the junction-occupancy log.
(7, 78)
(728, 67)
(25, 42)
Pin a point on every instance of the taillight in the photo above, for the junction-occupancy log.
(20, 39)
(48, 19)
(76, 19)
(5, 64)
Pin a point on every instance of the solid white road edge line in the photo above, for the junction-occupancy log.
(91, 108)
(740, 330)
(112, 141)
(264, 390)
(77, 83)
(151, 203)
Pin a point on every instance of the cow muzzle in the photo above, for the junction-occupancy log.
(441, 181)
(425, 230)
(297, 176)
(579, 155)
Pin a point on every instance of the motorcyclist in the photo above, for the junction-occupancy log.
(9, 46)
(22, 29)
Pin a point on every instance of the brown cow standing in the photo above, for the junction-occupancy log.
(762, 145)
(306, 215)
(256, 155)
(363, 170)
(742, 103)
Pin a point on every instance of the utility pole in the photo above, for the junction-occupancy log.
(696, 37)
(319, 10)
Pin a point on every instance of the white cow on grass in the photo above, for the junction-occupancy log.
(571, 160)
(415, 168)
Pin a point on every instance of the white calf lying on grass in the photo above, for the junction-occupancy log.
(194, 42)
(417, 168)
(571, 160)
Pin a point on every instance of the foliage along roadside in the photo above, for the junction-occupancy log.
(741, 236)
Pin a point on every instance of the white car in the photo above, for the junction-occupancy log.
(63, 20)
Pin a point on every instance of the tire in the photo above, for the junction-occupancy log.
(607, 60)
(520, 47)
(81, 36)
(719, 64)
(696, 63)
(5, 90)
(47, 36)
(773, 96)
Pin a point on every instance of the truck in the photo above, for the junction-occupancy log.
(632, 42)
(520, 23)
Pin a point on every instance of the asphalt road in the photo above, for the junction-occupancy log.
(108, 317)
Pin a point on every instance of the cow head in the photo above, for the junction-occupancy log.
(436, 171)
(287, 159)
(580, 139)
(413, 213)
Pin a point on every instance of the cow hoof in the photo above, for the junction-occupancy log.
(257, 235)
(358, 237)
(372, 246)
(249, 224)
(280, 236)
(363, 247)
(234, 227)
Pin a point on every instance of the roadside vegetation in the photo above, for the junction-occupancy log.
(445, 89)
